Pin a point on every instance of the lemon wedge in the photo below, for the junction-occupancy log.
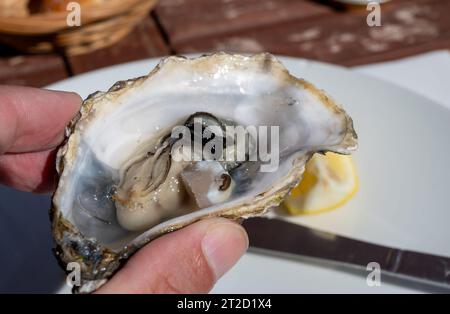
(329, 181)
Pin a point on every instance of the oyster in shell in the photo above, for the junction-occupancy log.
(120, 184)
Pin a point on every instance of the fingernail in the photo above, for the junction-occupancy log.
(223, 244)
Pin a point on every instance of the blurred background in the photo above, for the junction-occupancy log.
(328, 31)
(37, 48)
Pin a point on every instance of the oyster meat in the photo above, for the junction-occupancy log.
(124, 178)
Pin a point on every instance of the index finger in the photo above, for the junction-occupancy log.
(33, 119)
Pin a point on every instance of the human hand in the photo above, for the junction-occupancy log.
(190, 260)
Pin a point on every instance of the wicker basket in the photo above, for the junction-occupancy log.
(101, 25)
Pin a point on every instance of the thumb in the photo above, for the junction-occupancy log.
(190, 260)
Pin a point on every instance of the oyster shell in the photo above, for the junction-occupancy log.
(119, 187)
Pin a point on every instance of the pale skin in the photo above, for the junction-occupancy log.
(191, 260)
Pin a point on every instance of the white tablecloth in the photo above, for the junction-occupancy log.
(426, 74)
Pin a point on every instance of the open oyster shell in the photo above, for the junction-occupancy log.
(115, 158)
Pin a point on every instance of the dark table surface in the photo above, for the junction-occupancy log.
(301, 28)
(307, 29)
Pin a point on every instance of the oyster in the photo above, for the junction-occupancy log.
(123, 182)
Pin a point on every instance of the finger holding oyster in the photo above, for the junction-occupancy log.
(124, 182)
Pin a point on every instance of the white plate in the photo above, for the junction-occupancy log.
(403, 199)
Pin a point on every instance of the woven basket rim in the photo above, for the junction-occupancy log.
(48, 23)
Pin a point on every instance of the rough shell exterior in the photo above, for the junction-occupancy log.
(99, 263)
